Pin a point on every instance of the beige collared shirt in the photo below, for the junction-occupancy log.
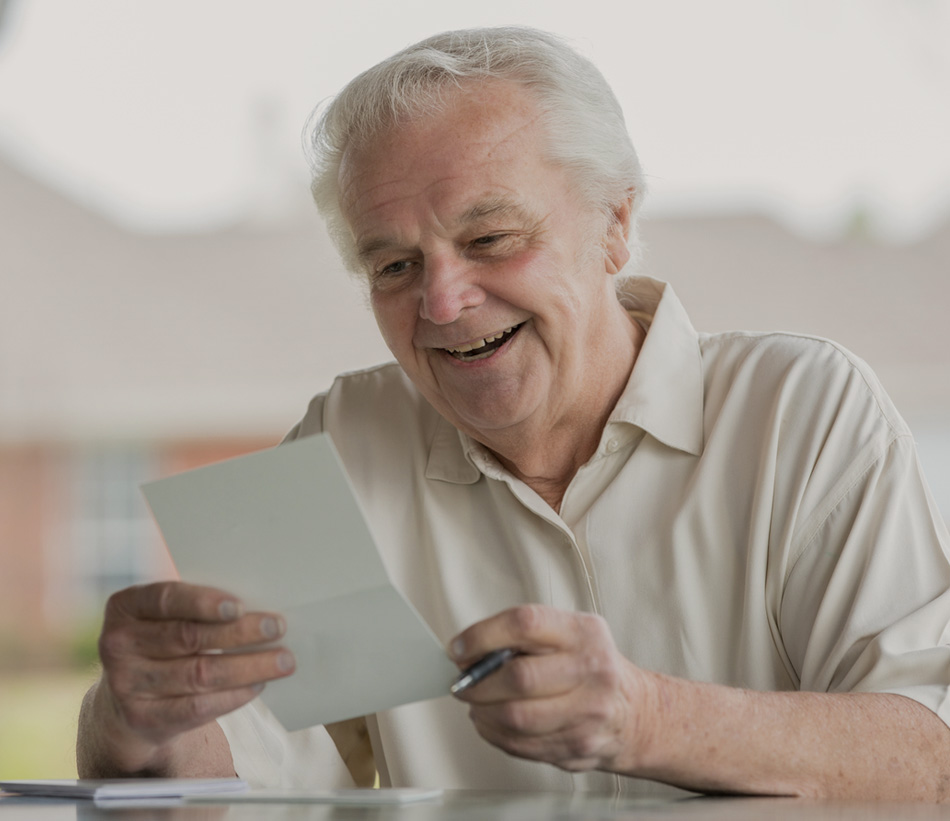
(754, 515)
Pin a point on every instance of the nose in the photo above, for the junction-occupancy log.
(449, 286)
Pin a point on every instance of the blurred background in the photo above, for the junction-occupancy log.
(168, 297)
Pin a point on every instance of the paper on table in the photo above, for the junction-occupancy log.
(361, 797)
(114, 789)
(282, 529)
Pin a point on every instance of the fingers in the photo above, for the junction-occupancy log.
(543, 715)
(580, 728)
(148, 627)
(568, 698)
(160, 722)
(176, 656)
(574, 747)
(171, 639)
(536, 677)
(199, 674)
(171, 619)
(175, 600)
(533, 629)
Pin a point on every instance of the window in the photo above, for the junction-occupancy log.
(107, 539)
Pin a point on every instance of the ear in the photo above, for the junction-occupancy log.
(616, 251)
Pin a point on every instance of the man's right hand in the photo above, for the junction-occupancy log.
(163, 680)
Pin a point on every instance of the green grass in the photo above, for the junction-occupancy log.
(38, 714)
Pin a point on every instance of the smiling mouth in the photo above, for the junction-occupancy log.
(482, 348)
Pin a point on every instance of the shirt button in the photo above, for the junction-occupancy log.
(612, 445)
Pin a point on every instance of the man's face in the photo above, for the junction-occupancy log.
(487, 277)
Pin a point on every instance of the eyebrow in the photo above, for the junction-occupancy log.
(493, 207)
(365, 250)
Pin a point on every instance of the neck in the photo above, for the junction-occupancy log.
(545, 457)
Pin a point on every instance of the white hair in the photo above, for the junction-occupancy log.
(583, 121)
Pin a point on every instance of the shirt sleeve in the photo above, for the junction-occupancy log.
(866, 604)
(312, 421)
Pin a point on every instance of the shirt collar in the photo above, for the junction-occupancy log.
(664, 395)
(450, 456)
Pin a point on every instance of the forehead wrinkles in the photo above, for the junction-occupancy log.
(377, 221)
(485, 117)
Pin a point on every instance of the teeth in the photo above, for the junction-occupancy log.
(480, 343)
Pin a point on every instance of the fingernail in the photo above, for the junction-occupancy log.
(258, 688)
(458, 648)
(270, 627)
(285, 662)
(229, 609)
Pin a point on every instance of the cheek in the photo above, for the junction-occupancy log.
(521, 279)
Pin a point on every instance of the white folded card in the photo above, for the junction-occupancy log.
(282, 530)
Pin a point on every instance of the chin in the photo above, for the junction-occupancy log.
(481, 425)
(489, 414)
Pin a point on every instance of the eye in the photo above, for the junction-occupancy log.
(489, 239)
(394, 268)
(495, 246)
(392, 274)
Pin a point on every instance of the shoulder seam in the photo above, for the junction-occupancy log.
(857, 365)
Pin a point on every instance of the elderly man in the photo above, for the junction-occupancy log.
(715, 553)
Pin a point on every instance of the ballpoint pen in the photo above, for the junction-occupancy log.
(482, 668)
